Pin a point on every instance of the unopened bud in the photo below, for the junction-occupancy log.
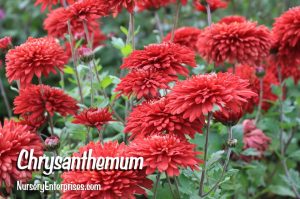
(52, 143)
(260, 71)
(85, 54)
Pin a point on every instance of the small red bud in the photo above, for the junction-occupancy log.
(52, 143)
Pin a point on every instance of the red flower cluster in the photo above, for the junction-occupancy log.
(5, 43)
(144, 84)
(50, 3)
(15, 137)
(151, 118)
(213, 5)
(166, 57)
(233, 19)
(229, 117)
(36, 100)
(254, 138)
(286, 31)
(93, 117)
(36, 57)
(152, 4)
(114, 183)
(200, 94)
(82, 11)
(248, 73)
(185, 36)
(165, 153)
(244, 43)
(117, 5)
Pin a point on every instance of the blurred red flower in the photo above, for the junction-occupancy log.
(166, 57)
(32, 123)
(36, 100)
(93, 117)
(165, 153)
(229, 117)
(36, 57)
(114, 183)
(202, 93)
(118, 5)
(152, 4)
(286, 31)
(185, 36)
(244, 43)
(213, 4)
(144, 84)
(254, 138)
(5, 43)
(151, 118)
(49, 3)
(15, 137)
(233, 19)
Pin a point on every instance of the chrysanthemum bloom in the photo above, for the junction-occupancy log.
(15, 137)
(213, 5)
(229, 117)
(152, 4)
(254, 138)
(5, 43)
(244, 43)
(49, 3)
(36, 57)
(144, 84)
(185, 36)
(85, 10)
(151, 118)
(233, 19)
(36, 100)
(118, 5)
(199, 94)
(165, 153)
(114, 183)
(248, 73)
(32, 123)
(93, 117)
(166, 57)
(286, 31)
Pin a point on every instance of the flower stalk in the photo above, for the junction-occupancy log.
(5, 99)
(156, 185)
(261, 93)
(176, 19)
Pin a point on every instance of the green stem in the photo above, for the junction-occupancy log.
(208, 12)
(176, 19)
(170, 185)
(5, 99)
(159, 25)
(261, 90)
(156, 185)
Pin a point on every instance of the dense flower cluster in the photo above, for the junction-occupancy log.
(244, 43)
(36, 100)
(151, 118)
(93, 117)
(286, 31)
(185, 36)
(165, 153)
(36, 57)
(166, 57)
(15, 137)
(114, 183)
(254, 138)
(200, 94)
(213, 5)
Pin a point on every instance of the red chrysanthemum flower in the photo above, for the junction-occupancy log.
(36, 57)
(166, 57)
(49, 3)
(152, 4)
(5, 43)
(254, 138)
(15, 137)
(248, 73)
(213, 4)
(200, 94)
(32, 123)
(36, 100)
(233, 19)
(151, 118)
(165, 153)
(286, 31)
(85, 10)
(93, 117)
(229, 117)
(118, 5)
(144, 84)
(244, 43)
(185, 36)
(114, 183)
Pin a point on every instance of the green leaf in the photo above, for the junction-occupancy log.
(124, 30)
(250, 152)
(118, 43)
(69, 70)
(281, 190)
(295, 155)
(126, 50)
(106, 82)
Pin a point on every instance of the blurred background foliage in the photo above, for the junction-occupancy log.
(258, 179)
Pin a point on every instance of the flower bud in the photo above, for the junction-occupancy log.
(52, 143)
(232, 142)
(85, 54)
(260, 71)
(5, 43)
